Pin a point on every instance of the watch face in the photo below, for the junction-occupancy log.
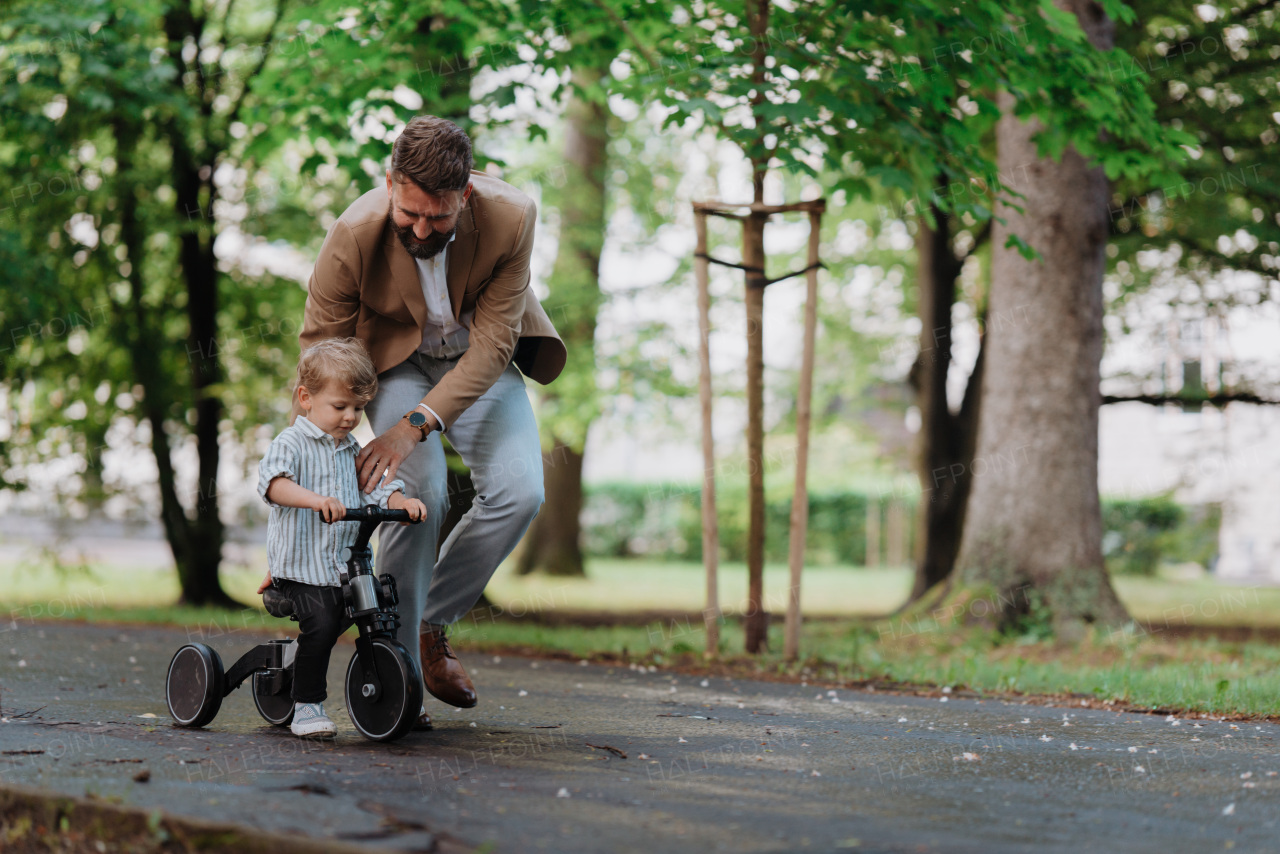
(417, 419)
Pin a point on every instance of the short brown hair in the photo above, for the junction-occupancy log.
(343, 360)
(433, 153)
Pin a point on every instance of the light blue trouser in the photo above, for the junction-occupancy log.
(497, 438)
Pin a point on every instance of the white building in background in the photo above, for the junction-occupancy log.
(1203, 455)
(1227, 457)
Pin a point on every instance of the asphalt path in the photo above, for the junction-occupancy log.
(581, 757)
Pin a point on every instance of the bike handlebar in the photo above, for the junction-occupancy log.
(374, 513)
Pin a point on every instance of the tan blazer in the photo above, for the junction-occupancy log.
(366, 284)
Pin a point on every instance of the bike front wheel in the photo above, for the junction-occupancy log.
(395, 710)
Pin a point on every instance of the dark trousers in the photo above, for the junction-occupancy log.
(321, 621)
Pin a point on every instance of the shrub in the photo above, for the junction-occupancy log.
(1138, 533)
(664, 521)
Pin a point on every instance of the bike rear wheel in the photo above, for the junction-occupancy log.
(195, 685)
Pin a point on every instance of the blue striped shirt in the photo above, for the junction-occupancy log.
(301, 546)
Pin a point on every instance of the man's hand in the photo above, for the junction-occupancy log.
(266, 582)
(331, 509)
(386, 453)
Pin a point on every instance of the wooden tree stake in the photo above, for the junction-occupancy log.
(710, 526)
(800, 499)
(753, 222)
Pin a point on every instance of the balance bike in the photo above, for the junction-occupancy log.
(383, 687)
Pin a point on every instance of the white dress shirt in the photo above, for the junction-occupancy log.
(444, 337)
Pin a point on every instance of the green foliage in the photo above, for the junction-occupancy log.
(1211, 70)
(879, 92)
(101, 125)
(664, 521)
(1139, 533)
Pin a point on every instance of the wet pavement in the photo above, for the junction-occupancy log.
(565, 757)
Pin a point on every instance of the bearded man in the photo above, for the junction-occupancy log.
(432, 274)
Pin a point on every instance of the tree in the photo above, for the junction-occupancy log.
(1199, 68)
(148, 108)
(1033, 530)
(553, 544)
(174, 123)
(945, 443)
(872, 99)
(1210, 74)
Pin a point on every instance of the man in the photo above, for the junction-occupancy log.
(432, 273)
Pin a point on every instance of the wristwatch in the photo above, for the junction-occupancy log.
(417, 418)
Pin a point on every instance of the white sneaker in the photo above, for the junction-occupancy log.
(310, 721)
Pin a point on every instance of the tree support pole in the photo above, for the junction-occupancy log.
(710, 526)
(757, 625)
(800, 500)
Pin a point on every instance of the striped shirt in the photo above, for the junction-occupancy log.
(301, 546)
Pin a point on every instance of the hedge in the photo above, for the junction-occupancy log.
(663, 521)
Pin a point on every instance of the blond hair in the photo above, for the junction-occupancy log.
(342, 360)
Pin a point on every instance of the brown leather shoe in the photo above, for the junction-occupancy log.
(442, 673)
(424, 722)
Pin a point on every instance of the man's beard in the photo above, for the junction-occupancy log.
(423, 249)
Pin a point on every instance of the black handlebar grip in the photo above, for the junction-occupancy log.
(374, 513)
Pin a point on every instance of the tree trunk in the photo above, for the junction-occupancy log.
(199, 574)
(756, 623)
(553, 544)
(944, 450)
(1033, 529)
(443, 68)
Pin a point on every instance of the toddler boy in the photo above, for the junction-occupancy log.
(311, 467)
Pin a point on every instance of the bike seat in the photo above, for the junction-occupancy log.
(276, 603)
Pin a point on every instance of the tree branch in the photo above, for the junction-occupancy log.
(1218, 400)
(262, 61)
(626, 30)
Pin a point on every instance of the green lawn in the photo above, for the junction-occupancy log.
(637, 585)
(634, 585)
(1147, 669)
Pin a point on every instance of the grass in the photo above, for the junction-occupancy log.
(1142, 672)
(1150, 669)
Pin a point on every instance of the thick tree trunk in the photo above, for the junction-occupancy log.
(945, 445)
(553, 544)
(1033, 527)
